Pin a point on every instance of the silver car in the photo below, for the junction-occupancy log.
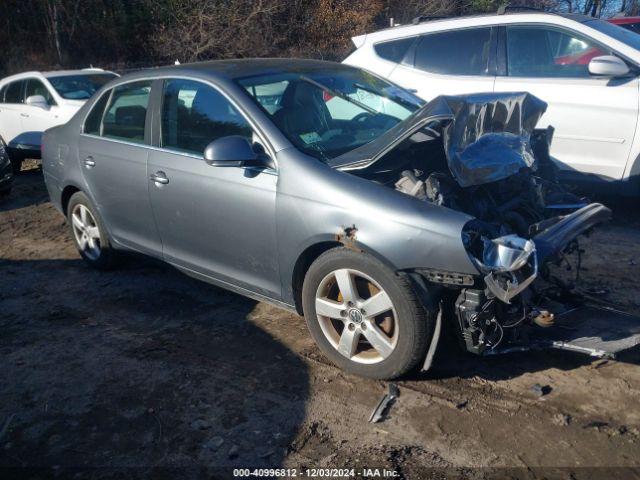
(330, 192)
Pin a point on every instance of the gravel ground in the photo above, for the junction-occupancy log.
(144, 371)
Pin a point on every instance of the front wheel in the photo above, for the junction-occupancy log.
(363, 316)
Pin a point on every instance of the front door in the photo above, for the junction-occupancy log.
(113, 153)
(35, 119)
(217, 221)
(594, 118)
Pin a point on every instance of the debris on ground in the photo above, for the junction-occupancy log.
(561, 419)
(382, 410)
(541, 390)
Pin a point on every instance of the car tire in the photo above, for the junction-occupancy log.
(347, 333)
(16, 160)
(14, 157)
(89, 234)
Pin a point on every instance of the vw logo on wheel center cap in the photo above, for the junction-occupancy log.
(355, 315)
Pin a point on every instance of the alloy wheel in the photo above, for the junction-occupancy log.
(86, 231)
(356, 316)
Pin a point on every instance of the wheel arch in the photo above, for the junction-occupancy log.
(313, 251)
(65, 196)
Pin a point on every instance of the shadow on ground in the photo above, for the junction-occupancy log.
(140, 368)
(28, 190)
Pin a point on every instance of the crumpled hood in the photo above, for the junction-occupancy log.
(486, 136)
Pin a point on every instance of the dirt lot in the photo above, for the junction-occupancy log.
(145, 371)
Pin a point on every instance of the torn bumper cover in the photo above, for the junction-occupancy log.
(555, 238)
(510, 263)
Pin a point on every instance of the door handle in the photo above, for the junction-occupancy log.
(159, 177)
(25, 115)
(89, 162)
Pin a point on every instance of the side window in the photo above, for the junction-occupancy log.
(394, 51)
(2, 91)
(36, 87)
(547, 52)
(13, 93)
(94, 119)
(195, 114)
(127, 111)
(458, 52)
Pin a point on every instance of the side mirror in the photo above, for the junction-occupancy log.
(231, 151)
(608, 66)
(37, 101)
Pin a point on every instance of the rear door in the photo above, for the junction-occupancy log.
(594, 117)
(449, 63)
(113, 151)
(216, 221)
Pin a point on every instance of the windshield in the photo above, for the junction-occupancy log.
(326, 113)
(79, 87)
(617, 32)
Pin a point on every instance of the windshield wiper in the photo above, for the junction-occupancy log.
(339, 94)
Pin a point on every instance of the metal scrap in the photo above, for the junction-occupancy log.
(385, 403)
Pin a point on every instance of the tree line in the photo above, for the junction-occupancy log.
(129, 34)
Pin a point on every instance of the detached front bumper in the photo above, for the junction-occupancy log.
(555, 238)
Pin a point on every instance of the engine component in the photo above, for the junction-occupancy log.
(411, 185)
(544, 319)
(477, 321)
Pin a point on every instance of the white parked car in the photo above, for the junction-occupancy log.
(584, 68)
(32, 102)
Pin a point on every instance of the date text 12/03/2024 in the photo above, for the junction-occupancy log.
(315, 472)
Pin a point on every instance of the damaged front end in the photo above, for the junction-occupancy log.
(481, 155)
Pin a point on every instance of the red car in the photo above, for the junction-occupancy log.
(583, 58)
(630, 23)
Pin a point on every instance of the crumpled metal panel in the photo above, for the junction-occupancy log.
(486, 135)
(489, 136)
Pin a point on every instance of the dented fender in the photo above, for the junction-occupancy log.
(318, 204)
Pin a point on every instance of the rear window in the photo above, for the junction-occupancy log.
(127, 111)
(394, 51)
(13, 93)
(79, 87)
(94, 119)
(459, 52)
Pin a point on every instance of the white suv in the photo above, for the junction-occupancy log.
(585, 69)
(32, 102)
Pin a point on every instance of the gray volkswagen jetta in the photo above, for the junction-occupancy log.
(333, 193)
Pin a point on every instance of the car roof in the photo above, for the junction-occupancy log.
(54, 73)
(240, 68)
(418, 27)
(63, 73)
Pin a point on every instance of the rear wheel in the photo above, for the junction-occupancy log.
(89, 233)
(16, 162)
(363, 316)
(15, 158)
